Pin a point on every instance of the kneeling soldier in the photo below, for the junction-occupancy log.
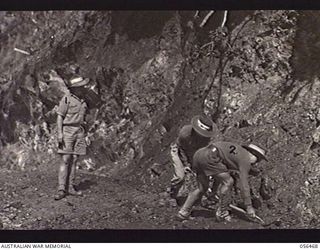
(216, 160)
(71, 135)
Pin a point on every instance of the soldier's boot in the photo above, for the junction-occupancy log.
(191, 200)
(184, 215)
(60, 194)
(73, 191)
(223, 215)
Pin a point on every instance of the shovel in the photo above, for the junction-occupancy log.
(255, 219)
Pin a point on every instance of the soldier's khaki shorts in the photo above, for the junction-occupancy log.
(74, 141)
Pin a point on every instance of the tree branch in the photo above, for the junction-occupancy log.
(225, 17)
(221, 66)
(205, 20)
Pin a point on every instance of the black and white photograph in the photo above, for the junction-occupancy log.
(159, 119)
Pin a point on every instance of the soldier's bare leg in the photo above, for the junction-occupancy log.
(72, 175)
(178, 168)
(63, 176)
(226, 181)
(194, 196)
(73, 166)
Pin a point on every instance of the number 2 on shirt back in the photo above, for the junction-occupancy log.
(233, 150)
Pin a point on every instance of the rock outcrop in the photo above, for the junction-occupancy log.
(152, 71)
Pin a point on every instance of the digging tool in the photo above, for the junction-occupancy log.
(22, 51)
(256, 219)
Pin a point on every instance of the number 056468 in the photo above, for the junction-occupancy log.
(308, 245)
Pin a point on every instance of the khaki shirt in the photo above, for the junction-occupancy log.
(233, 156)
(72, 109)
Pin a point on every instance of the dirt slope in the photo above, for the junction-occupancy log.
(151, 76)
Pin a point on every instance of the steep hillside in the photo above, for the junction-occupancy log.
(256, 76)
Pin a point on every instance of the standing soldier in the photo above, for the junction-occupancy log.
(216, 160)
(190, 139)
(71, 135)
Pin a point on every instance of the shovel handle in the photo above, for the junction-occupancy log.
(258, 219)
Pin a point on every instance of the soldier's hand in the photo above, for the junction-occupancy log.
(187, 169)
(251, 212)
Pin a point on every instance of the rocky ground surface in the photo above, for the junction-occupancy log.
(255, 73)
(107, 203)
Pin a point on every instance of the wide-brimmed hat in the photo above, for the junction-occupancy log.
(204, 126)
(78, 81)
(256, 150)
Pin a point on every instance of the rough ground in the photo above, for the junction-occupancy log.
(108, 203)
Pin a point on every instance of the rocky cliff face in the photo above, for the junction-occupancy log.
(256, 77)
